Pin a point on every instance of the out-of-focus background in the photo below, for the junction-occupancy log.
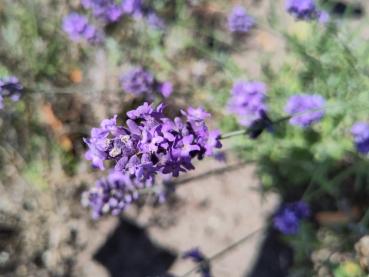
(70, 86)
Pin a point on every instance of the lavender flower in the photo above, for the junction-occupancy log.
(306, 10)
(305, 109)
(360, 133)
(11, 88)
(152, 143)
(247, 102)
(133, 7)
(154, 21)
(141, 82)
(138, 81)
(287, 219)
(239, 21)
(109, 10)
(113, 194)
(199, 258)
(78, 28)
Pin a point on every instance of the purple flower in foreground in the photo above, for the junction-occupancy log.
(11, 88)
(198, 257)
(78, 28)
(239, 21)
(152, 143)
(360, 133)
(247, 102)
(306, 10)
(305, 109)
(287, 219)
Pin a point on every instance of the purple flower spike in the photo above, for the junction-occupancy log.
(360, 133)
(239, 21)
(306, 10)
(138, 81)
(247, 102)
(152, 143)
(78, 28)
(305, 109)
(112, 195)
(287, 219)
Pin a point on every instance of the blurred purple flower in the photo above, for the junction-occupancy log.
(287, 219)
(11, 88)
(239, 21)
(305, 109)
(109, 10)
(138, 81)
(306, 10)
(78, 28)
(152, 143)
(247, 101)
(133, 7)
(360, 133)
(154, 21)
(166, 89)
(199, 258)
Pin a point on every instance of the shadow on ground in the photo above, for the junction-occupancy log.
(130, 252)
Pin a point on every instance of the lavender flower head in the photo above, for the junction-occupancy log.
(360, 133)
(151, 143)
(154, 21)
(306, 10)
(133, 8)
(247, 102)
(305, 109)
(78, 28)
(11, 88)
(239, 21)
(138, 81)
(108, 10)
(287, 219)
(112, 194)
(199, 258)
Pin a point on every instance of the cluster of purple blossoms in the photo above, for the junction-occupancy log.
(112, 10)
(11, 88)
(306, 10)
(239, 21)
(287, 219)
(199, 258)
(78, 28)
(305, 109)
(247, 102)
(139, 81)
(360, 133)
(152, 143)
(113, 194)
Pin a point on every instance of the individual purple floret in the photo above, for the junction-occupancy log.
(152, 143)
(78, 28)
(287, 219)
(360, 133)
(11, 88)
(138, 81)
(113, 194)
(239, 21)
(247, 102)
(166, 89)
(305, 109)
(306, 10)
(199, 258)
